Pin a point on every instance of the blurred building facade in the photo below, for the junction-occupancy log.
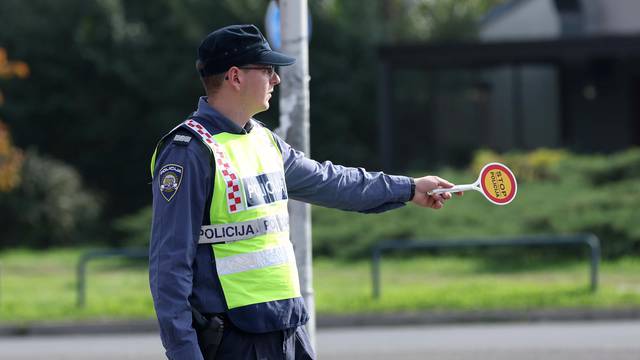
(544, 73)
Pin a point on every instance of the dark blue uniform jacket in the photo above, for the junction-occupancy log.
(182, 273)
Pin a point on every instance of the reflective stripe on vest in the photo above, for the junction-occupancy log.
(226, 233)
(249, 229)
(256, 260)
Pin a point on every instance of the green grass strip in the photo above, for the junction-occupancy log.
(42, 286)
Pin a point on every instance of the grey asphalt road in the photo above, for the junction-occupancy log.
(618, 340)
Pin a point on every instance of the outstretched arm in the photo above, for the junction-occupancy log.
(353, 189)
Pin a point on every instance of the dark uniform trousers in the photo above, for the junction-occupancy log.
(290, 344)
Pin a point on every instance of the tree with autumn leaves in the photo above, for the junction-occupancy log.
(43, 202)
(11, 158)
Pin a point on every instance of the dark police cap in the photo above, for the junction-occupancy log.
(236, 45)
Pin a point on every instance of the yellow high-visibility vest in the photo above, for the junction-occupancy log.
(249, 231)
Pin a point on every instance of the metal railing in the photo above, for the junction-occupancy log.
(560, 240)
(101, 254)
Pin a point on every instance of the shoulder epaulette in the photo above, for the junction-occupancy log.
(180, 139)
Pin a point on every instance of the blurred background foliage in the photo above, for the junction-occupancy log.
(107, 78)
(89, 86)
(558, 193)
(50, 206)
(11, 159)
(10, 156)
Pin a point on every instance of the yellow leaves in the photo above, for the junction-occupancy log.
(20, 69)
(9, 69)
(483, 157)
(535, 165)
(11, 159)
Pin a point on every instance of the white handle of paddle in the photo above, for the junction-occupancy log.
(456, 188)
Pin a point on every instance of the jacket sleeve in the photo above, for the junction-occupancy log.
(177, 217)
(336, 186)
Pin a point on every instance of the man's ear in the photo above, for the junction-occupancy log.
(233, 75)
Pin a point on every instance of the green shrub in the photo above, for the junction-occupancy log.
(49, 207)
(558, 193)
(601, 170)
(539, 164)
(135, 228)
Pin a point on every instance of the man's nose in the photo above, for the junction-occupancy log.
(275, 79)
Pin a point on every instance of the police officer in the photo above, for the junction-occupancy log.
(222, 269)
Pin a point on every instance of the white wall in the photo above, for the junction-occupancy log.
(530, 19)
(538, 19)
(619, 16)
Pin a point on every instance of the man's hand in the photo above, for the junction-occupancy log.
(429, 183)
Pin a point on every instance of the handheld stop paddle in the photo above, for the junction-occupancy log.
(496, 182)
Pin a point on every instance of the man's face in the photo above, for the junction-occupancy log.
(259, 83)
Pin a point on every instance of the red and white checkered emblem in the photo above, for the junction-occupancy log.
(232, 180)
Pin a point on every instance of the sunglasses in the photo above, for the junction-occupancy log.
(269, 70)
